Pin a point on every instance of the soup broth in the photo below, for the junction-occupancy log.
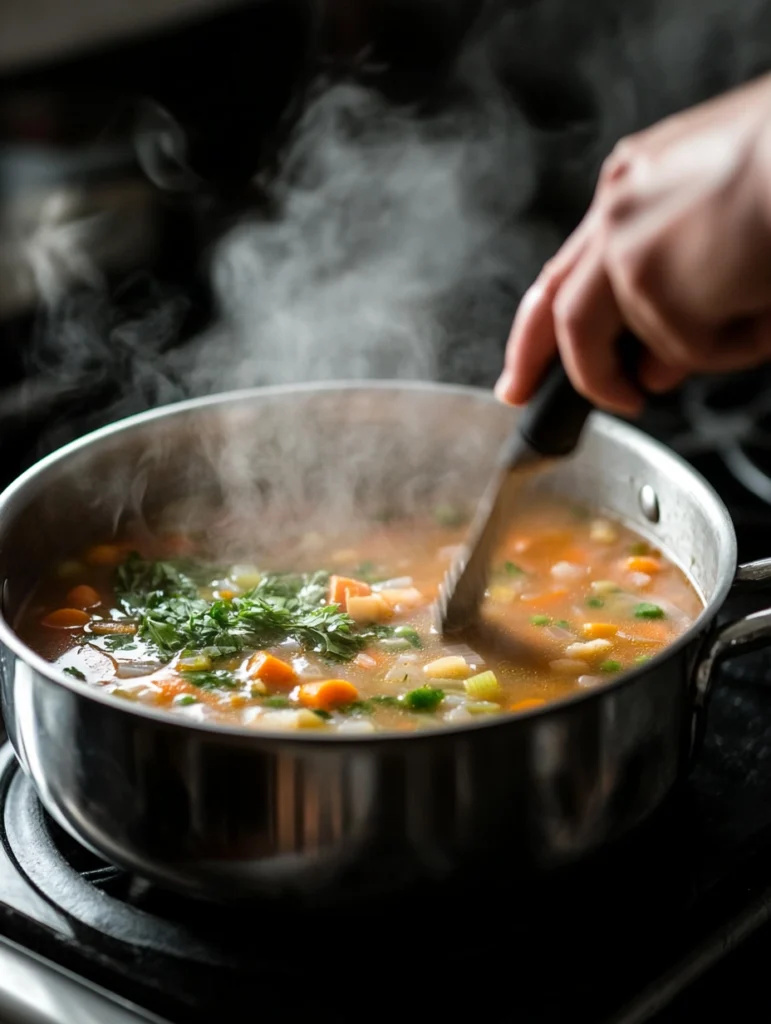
(343, 639)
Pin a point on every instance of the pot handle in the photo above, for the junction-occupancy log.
(742, 636)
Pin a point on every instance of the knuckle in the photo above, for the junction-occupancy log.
(569, 319)
(619, 161)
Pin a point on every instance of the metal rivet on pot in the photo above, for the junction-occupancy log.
(649, 503)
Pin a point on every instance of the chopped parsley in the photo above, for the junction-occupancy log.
(75, 673)
(595, 602)
(540, 620)
(648, 611)
(172, 616)
(215, 679)
(512, 569)
(610, 666)
(409, 634)
(425, 698)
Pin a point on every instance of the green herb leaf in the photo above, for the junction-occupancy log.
(280, 607)
(648, 611)
(540, 620)
(595, 602)
(610, 666)
(512, 569)
(218, 679)
(409, 634)
(277, 702)
(75, 672)
(424, 698)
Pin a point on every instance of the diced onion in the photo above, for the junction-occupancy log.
(568, 571)
(306, 669)
(603, 532)
(589, 649)
(589, 681)
(558, 633)
(356, 725)
(464, 651)
(639, 579)
(406, 669)
(568, 666)
(363, 661)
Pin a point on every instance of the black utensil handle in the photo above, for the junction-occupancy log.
(553, 420)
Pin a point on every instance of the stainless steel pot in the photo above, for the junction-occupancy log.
(228, 813)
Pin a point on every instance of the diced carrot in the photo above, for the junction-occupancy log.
(599, 630)
(106, 554)
(272, 671)
(543, 600)
(83, 597)
(644, 564)
(66, 618)
(227, 595)
(342, 587)
(110, 628)
(328, 694)
(524, 705)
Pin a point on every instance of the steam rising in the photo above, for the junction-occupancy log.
(402, 239)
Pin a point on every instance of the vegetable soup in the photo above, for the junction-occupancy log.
(344, 640)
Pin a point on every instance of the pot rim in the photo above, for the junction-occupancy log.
(727, 557)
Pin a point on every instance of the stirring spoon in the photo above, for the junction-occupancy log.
(549, 427)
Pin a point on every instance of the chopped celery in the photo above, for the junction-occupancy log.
(484, 687)
(195, 663)
(482, 707)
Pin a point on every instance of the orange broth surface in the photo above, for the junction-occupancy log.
(351, 646)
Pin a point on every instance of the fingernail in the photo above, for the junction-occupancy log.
(503, 386)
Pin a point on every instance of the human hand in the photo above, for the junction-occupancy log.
(676, 248)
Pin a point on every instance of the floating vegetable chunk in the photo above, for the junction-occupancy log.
(341, 638)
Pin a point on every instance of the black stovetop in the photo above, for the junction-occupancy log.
(610, 941)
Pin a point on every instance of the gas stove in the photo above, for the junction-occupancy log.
(620, 938)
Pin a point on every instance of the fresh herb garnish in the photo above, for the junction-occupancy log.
(119, 642)
(410, 634)
(425, 698)
(512, 569)
(75, 672)
(540, 620)
(610, 666)
(595, 602)
(277, 702)
(562, 624)
(648, 611)
(217, 679)
(281, 606)
(184, 700)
